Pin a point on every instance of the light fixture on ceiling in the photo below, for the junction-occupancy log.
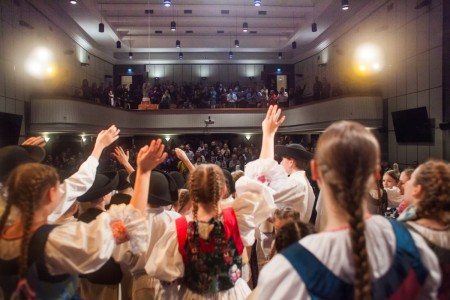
(167, 3)
(245, 27)
(180, 56)
(280, 55)
(118, 44)
(173, 26)
(236, 43)
(344, 4)
(130, 55)
(101, 26)
(257, 2)
(73, 2)
(230, 55)
(314, 27)
(177, 44)
(294, 45)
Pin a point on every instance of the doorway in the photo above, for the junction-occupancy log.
(281, 82)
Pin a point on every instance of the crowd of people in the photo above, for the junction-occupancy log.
(204, 94)
(204, 231)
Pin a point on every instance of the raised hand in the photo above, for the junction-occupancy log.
(183, 157)
(104, 139)
(123, 158)
(107, 137)
(273, 120)
(149, 157)
(35, 141)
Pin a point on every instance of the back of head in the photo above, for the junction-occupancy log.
(26, 187)
(434, 203)
(291, 233)
(347, 156)
(206, 184)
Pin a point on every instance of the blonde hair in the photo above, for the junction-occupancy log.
(206, 184)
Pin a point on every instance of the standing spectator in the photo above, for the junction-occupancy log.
(317, 89)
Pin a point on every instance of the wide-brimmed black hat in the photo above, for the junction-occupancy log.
(103, 184)
(163, 188)
(230, 182)
(295, 151)
(123, 180)
(179, 179)
(13, 156)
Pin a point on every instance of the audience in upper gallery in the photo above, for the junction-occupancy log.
(205, 94)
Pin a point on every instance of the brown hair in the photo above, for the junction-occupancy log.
(292, 232)
(205, 184)
(26, 185)
(346, 157)
(286, 213)
(183, 199)
(408, 172)
(434, 177)
(237, 174)
(393, 174)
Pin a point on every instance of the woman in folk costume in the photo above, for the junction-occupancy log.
(357, 255)
(429, 191)
(203, 253)
(41, 261)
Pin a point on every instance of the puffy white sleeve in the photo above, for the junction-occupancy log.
(394, 196)
(268, 172)
(253, 205)
(79, 247)
(75, 186)
(165, 262)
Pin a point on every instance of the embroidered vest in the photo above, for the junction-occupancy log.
(402, 281)
(45, 285)
(214, 264)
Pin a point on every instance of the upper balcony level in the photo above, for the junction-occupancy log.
(59, 115)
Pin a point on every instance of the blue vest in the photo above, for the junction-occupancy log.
(407, 270)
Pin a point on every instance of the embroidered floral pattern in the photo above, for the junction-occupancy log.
(213, 264)
(119, 232)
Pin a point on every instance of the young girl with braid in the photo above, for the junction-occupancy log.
(40, 261)
(357, 255)
(203, 252)
(429, 191)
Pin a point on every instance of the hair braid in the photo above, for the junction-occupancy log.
(5, 214)
(348, 173)
(26, 187)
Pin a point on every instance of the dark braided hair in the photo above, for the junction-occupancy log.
(434, 203)
(26, 186)
(206, 184)
(292, 232)
(347, 156)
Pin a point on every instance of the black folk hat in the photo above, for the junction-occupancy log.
(13, 156)
(103, 184)
(295, 151)
(163, 188)
(179, 179)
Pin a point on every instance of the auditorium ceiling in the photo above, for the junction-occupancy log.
(207, 30)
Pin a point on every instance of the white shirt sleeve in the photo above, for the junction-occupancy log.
(79, 247)
(75, 186)
(165, 262)
(394, 196)
(253, 205)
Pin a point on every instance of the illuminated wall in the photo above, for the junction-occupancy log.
(22, 28)
(411, 75)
